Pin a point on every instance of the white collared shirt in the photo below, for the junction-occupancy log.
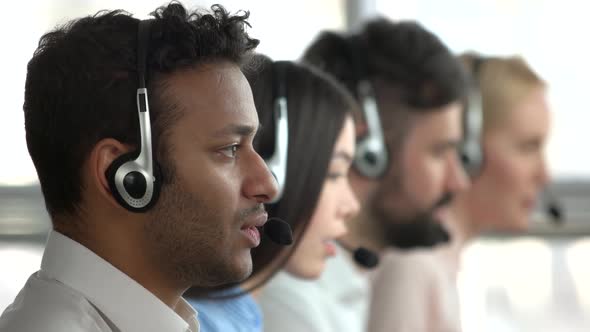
(76, 290)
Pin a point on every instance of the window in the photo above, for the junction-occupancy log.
(549, 34)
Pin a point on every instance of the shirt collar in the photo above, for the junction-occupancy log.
(126, 303)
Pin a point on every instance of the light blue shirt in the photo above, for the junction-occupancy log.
(236, 314)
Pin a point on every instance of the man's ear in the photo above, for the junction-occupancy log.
(101, 157)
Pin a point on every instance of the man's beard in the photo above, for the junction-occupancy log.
(420, 230)
(189, 239)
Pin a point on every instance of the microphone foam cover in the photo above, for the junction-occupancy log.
(365, 258)
(278, 231)
(555, 211)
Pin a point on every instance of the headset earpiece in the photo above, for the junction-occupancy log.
(131, 187)
(110, 174)
(131, 176)
(471, 150)
(277, 163)
(371, 157)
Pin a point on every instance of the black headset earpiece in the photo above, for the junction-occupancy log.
(131, 176)
(471, 150)
(277, 163)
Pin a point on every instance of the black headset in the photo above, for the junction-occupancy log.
(277, 163)
(132, 176)
(471, 150)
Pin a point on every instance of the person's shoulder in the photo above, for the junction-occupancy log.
(403, 287)
(283, 286)
(230, 314)
(414, 265)
(417, 259)
(292, 304)
(47, 305)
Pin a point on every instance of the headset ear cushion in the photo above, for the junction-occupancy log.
(465, 159)
(370, 163)
(110, 175)
(158, 175)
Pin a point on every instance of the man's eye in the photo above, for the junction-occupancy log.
(230, 151)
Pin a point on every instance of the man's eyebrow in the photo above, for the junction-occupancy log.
(237, 130)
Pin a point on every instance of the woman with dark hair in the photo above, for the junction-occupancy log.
(316, 199)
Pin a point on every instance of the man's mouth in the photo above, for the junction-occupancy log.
(252, 234)
(250, 228)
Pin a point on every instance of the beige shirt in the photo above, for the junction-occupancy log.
(76, 291)
(415, 291)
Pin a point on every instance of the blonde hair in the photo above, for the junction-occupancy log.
(502, 82)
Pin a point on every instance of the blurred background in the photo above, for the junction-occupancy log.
(539, 281)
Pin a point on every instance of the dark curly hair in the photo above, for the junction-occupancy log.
(81, 84)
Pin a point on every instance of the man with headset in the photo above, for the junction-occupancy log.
(141, 133)
(411, 88)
